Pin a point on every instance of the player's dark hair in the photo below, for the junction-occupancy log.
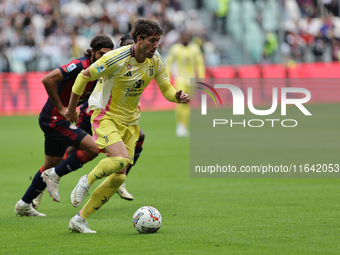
(99, 42)
(124, 39)
(144, 28)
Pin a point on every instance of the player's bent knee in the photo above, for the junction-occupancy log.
(93, 152)
(89, 146)
(114, 164)
(123, 171)
(123, 162)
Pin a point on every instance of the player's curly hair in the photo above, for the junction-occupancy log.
(144, 28)
(124, 39)
(99, 42)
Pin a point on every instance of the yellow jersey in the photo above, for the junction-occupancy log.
(121, 81)
(189, 62)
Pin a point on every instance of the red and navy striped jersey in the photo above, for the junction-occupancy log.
(70, 72)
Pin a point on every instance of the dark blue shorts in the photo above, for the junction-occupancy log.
(84, 122)
(59, 135)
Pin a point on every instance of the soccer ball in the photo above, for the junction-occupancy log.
(147, 219)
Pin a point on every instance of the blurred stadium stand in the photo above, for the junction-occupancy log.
(39, 35)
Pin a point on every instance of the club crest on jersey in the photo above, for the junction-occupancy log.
(129, 67)
(150, 70)
(71, 67)
(72, 127)
(138, 84)
(100, 68)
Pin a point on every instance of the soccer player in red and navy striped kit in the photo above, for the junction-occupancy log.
(59, 133)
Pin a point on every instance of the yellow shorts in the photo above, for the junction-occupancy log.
(107, 130)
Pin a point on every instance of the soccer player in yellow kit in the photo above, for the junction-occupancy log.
(122, 76)
(187, 59)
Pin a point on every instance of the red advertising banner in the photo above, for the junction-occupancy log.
(21, 93)
(24, 94)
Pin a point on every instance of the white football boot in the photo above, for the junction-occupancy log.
(36, 202)
(181, 130)
(79, 225)
(52, 181)
(123, 193)
(24, 209)
(79, 192)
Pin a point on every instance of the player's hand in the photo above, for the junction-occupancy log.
(182, 97)
(71, 116)
(62, 111)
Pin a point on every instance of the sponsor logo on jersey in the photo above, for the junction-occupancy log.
(133, 92)
(138, 84)
(137, 89)
(72, 126)
(71, 67)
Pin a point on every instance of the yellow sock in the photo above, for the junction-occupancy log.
(106, 167)
(183, 113)
(102, 194)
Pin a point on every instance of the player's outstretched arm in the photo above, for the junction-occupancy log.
(182, 97)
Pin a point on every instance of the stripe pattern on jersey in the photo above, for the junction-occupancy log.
(117, 58)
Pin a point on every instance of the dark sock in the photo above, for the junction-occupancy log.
(138, 151)
(37, 186)
(72, 163)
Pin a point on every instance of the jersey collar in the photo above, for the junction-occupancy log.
(133, 50)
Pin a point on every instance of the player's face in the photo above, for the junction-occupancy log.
(149, 45)
(99, 53)
(185, 39)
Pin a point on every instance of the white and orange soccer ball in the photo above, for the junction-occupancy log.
(147, 219)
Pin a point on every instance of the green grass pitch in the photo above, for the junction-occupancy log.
(200, 216)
